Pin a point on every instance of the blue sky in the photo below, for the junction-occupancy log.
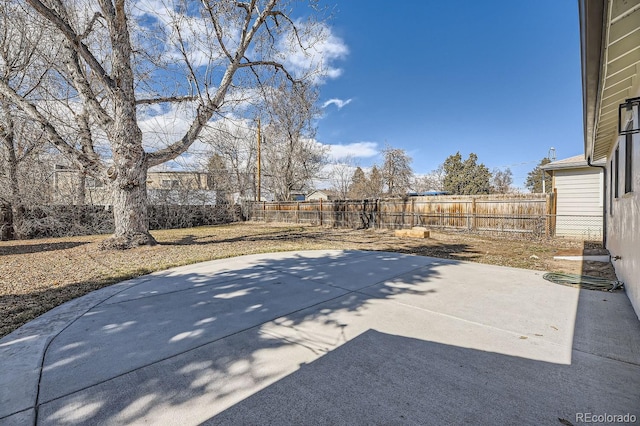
(498, 78)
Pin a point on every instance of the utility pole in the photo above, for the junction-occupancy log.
(259, 163)
(551, 156)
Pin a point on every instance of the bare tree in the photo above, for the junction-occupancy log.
(396, 171)
(220, 179)
(235, 143)
(115, 58)
(358, 186)
(501, 181)
(20, 140)
(375, 183)
(291, 156)
(433, 181)
(341, 175)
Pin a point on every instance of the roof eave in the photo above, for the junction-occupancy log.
(592, 14)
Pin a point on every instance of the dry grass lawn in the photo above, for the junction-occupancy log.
(38, 275)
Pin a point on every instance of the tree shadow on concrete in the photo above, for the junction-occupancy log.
(204, 338)
(191, 317)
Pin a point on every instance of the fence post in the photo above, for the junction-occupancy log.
(551, 213)
(264, 211)
(378, 214)
(473, 213)
(413, 212)
(298, 212)
(320, 211)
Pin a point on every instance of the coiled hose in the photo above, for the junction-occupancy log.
(584, 281)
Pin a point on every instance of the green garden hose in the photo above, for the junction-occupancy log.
(583, 281)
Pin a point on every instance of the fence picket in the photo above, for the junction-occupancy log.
(512, 213)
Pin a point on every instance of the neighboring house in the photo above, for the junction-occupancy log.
(578, 189)
(431, 193)
(163, 187)
(610, 47)
(68, 188)
(297, 196)
(177, 179)
(183, 187)
(322, 194)
(316, 195)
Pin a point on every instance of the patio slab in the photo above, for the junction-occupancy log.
(326, 337)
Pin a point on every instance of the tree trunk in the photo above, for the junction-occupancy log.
(129, 183)
(129, 170)
(130, 213)
(17, 208)
(6, 222)
(15, 219)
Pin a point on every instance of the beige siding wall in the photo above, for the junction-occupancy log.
(66, 181)
(623, 220)
(169, 180)
(579, 193)
(317, 196)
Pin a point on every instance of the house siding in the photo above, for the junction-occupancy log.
(623, 230)
(315, 196)
(579, 202)
(163, 187)
(610, 76)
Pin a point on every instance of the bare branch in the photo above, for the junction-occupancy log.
(218, 29)
(183, 52)
(246, 6)
(89, 28)
(172, 151)
(75, 41)
(55, 138)
(206, 111)
(277, 65)
(83, 87)
(247, 19)
(32, 147)
(167, 99)
(274, 14)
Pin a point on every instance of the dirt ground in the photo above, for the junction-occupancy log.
(37, 275)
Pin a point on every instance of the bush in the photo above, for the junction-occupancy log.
(66, 221)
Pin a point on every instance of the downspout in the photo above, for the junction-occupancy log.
(604, 200)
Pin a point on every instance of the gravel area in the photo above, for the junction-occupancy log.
(38, 275)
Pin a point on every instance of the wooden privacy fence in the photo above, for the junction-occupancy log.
(530, 213)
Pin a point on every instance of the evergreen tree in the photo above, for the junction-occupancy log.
(534, 178)
(466, 177)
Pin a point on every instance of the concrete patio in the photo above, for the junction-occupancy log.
(326, 337)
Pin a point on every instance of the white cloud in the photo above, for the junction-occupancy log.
(337, 102)
(321, 48)
(353, 150)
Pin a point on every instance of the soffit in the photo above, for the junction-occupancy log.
(620, 70)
